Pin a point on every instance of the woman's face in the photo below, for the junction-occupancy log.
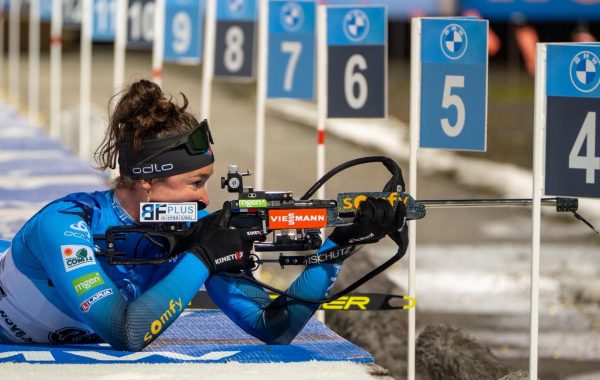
(186, 187)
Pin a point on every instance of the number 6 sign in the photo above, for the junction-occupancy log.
(357, 54)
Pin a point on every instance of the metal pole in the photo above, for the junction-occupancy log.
(56, 68)
(14, 51)
(85, 80)
(208, 63)
(158, 47)
(120, 46)
(415, 116)
(34, 60)
(322, 62)
(261, 93)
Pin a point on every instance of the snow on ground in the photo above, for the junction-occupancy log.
(229, 371)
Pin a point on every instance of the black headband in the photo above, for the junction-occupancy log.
(168, 156)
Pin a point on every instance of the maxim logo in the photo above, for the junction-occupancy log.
(299, 218)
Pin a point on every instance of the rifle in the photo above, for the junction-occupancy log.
(295, 224)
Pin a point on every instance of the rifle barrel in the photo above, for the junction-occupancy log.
(562, 204)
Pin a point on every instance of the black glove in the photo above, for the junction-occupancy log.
(375, 218)
(220, 248)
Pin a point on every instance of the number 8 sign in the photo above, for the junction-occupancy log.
(357, 54)
(234, 50)
(572, 119)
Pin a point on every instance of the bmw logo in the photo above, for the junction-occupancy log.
(453, 41)
(291, 16)
(236, 6)
(356, 25)
(585, 71)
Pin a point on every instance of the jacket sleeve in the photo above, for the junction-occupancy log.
(273, 321)
(92, 296)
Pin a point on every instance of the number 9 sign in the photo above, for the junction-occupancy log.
(183, 31)
(357, 54)
(236, 33)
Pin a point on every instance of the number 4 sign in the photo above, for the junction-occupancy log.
(572, 80)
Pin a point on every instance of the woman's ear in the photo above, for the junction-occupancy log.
(146, 185)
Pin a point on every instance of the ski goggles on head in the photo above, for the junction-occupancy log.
(169, 156)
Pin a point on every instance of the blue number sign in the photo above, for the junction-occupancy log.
(105, 12)
(572, 119)
(453, 83)
(357, 54)
(236, 34)
(291, 67)
(140, 24)
(45, 10)
(184, 27)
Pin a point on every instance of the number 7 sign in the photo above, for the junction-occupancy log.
(291, 66)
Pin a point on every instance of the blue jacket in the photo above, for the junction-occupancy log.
(54, 289)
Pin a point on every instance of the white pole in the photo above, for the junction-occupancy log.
(2, 57)
(85, 79)
(158, 44)
(56, 68)
(120, 46)
(208, 64)
(14, 51)
(415, 121)
(261, 92)
(322, 62)
(34, 60)
(538, 149)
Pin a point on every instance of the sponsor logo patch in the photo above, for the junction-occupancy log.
(157, 325)
(89, 281)
(298, 218)
(87, 304)
(168, 212)
(76, 256)
(253, 203)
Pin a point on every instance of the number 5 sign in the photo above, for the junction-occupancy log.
(357, 68)
(453, 82)
(572, 108)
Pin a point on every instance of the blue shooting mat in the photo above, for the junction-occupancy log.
(206, 336)
(34, 170)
